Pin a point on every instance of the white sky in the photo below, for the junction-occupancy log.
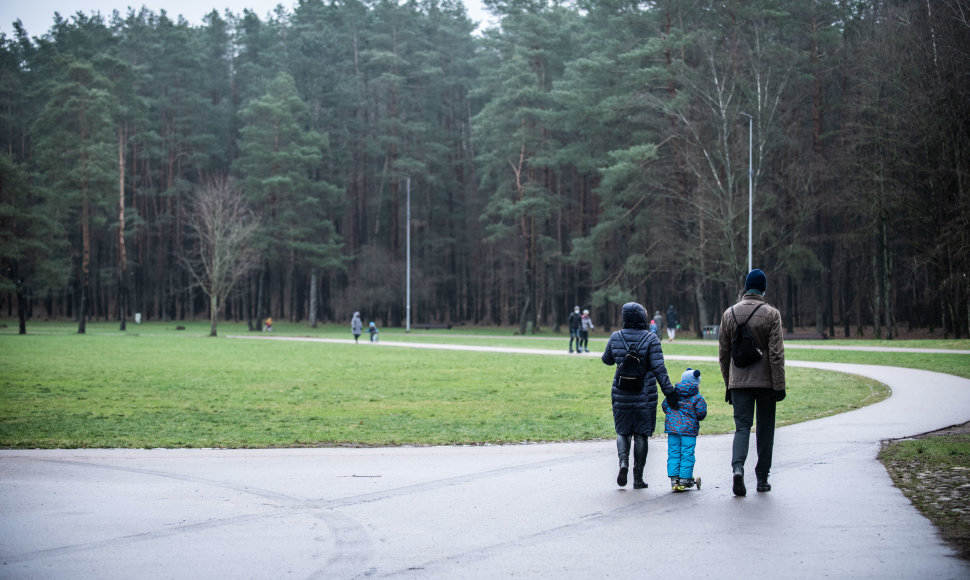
(38, 15)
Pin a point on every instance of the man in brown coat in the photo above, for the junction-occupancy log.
(754, 388)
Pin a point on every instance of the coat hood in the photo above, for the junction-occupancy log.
(634, 315)
(686, 389)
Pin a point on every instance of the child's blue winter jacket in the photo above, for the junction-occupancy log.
(686, 418)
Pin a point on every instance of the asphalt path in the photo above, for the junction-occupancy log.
(533, 511)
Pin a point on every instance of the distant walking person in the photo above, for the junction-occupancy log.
(584, 331)
(375, 335)
(575, 326)
(268, 325)
(356, 326)
(673, 322)
(634, 398)
(659, 319)
(754, 376)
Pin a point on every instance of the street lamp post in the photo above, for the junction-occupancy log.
(750, 189)
(407, 306)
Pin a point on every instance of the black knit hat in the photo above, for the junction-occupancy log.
(756, 280)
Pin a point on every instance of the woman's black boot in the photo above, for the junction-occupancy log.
(639, 460)
(623, 452)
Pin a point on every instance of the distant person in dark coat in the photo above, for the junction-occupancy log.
(673, 322)
(575, 327)
(635, 409)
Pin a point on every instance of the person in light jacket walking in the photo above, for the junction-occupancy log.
(356, 326)
(584, 332)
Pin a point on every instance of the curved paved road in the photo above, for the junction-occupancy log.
(535, 511)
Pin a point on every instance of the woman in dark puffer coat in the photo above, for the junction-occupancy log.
(635, 411)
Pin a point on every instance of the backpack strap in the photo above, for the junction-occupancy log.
(636, 346)
(752, 313)
(626, 345)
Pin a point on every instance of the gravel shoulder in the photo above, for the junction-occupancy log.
(939, 487)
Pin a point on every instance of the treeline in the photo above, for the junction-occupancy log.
(585, 152)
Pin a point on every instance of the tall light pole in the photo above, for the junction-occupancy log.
(408, 244)
(750, 189)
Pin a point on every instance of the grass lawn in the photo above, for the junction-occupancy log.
(156, 386)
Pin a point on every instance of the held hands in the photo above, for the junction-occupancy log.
(673, 399)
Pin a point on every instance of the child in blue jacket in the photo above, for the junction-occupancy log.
(682, 426)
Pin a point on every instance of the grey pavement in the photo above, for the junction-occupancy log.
(532, 511)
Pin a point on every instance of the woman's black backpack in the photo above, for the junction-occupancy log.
(632, 369)
(744, 349)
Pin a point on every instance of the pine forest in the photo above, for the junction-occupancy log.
(301, 164)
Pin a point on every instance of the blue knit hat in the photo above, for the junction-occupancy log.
(691, 376)
(756, 280)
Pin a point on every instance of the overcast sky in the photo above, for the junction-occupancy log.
(37, 15)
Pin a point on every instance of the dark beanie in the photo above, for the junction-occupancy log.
(756, 280)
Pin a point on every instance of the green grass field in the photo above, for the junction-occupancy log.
(155, 386)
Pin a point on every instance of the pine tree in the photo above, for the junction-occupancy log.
(77, 154)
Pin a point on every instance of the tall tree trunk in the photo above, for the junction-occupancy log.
(846, 298)
(21, 300)
(886, 281)
(290, 288)
(877, 294)
(819, 282)
(249, 303)
(524, 315)
(790, 300)
(85, 262)
(213, 314)
(313, 297)
(122, 256)
(702, 309)
(260, 297)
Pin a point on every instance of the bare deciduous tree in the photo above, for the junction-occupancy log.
(222, 227)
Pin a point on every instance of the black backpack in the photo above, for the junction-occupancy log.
(744, 349)
(632, 369)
